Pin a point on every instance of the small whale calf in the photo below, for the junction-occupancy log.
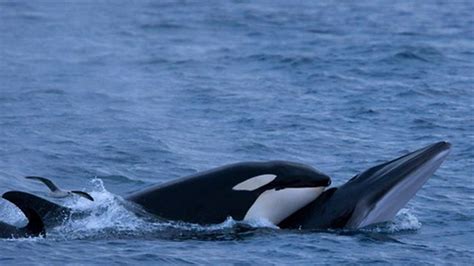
(56, 192)
(288, 194)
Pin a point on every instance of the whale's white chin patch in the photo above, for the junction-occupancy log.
(276, 205)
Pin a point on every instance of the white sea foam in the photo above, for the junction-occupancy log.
(403, 221)
(108, 213)
(261, 222)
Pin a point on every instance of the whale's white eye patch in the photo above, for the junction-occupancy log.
(254, 182)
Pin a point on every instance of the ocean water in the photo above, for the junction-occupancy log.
(113, 96)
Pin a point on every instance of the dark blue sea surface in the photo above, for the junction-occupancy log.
(113, 96)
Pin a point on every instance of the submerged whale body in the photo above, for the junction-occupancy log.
(287, 194)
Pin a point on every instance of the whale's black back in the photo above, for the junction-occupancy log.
(204, 198)
(208, 197)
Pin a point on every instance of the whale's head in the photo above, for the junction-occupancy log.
(380, 192)
(284, 188)
(373, 196)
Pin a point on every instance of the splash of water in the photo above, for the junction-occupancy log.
(108, 215)
(404, 221)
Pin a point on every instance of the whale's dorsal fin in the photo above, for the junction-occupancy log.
(35, 224)
(50, 213)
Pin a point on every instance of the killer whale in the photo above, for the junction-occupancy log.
(373, 196)
(51, 214)
(209, 197)
(35, 226)
(244, 191)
